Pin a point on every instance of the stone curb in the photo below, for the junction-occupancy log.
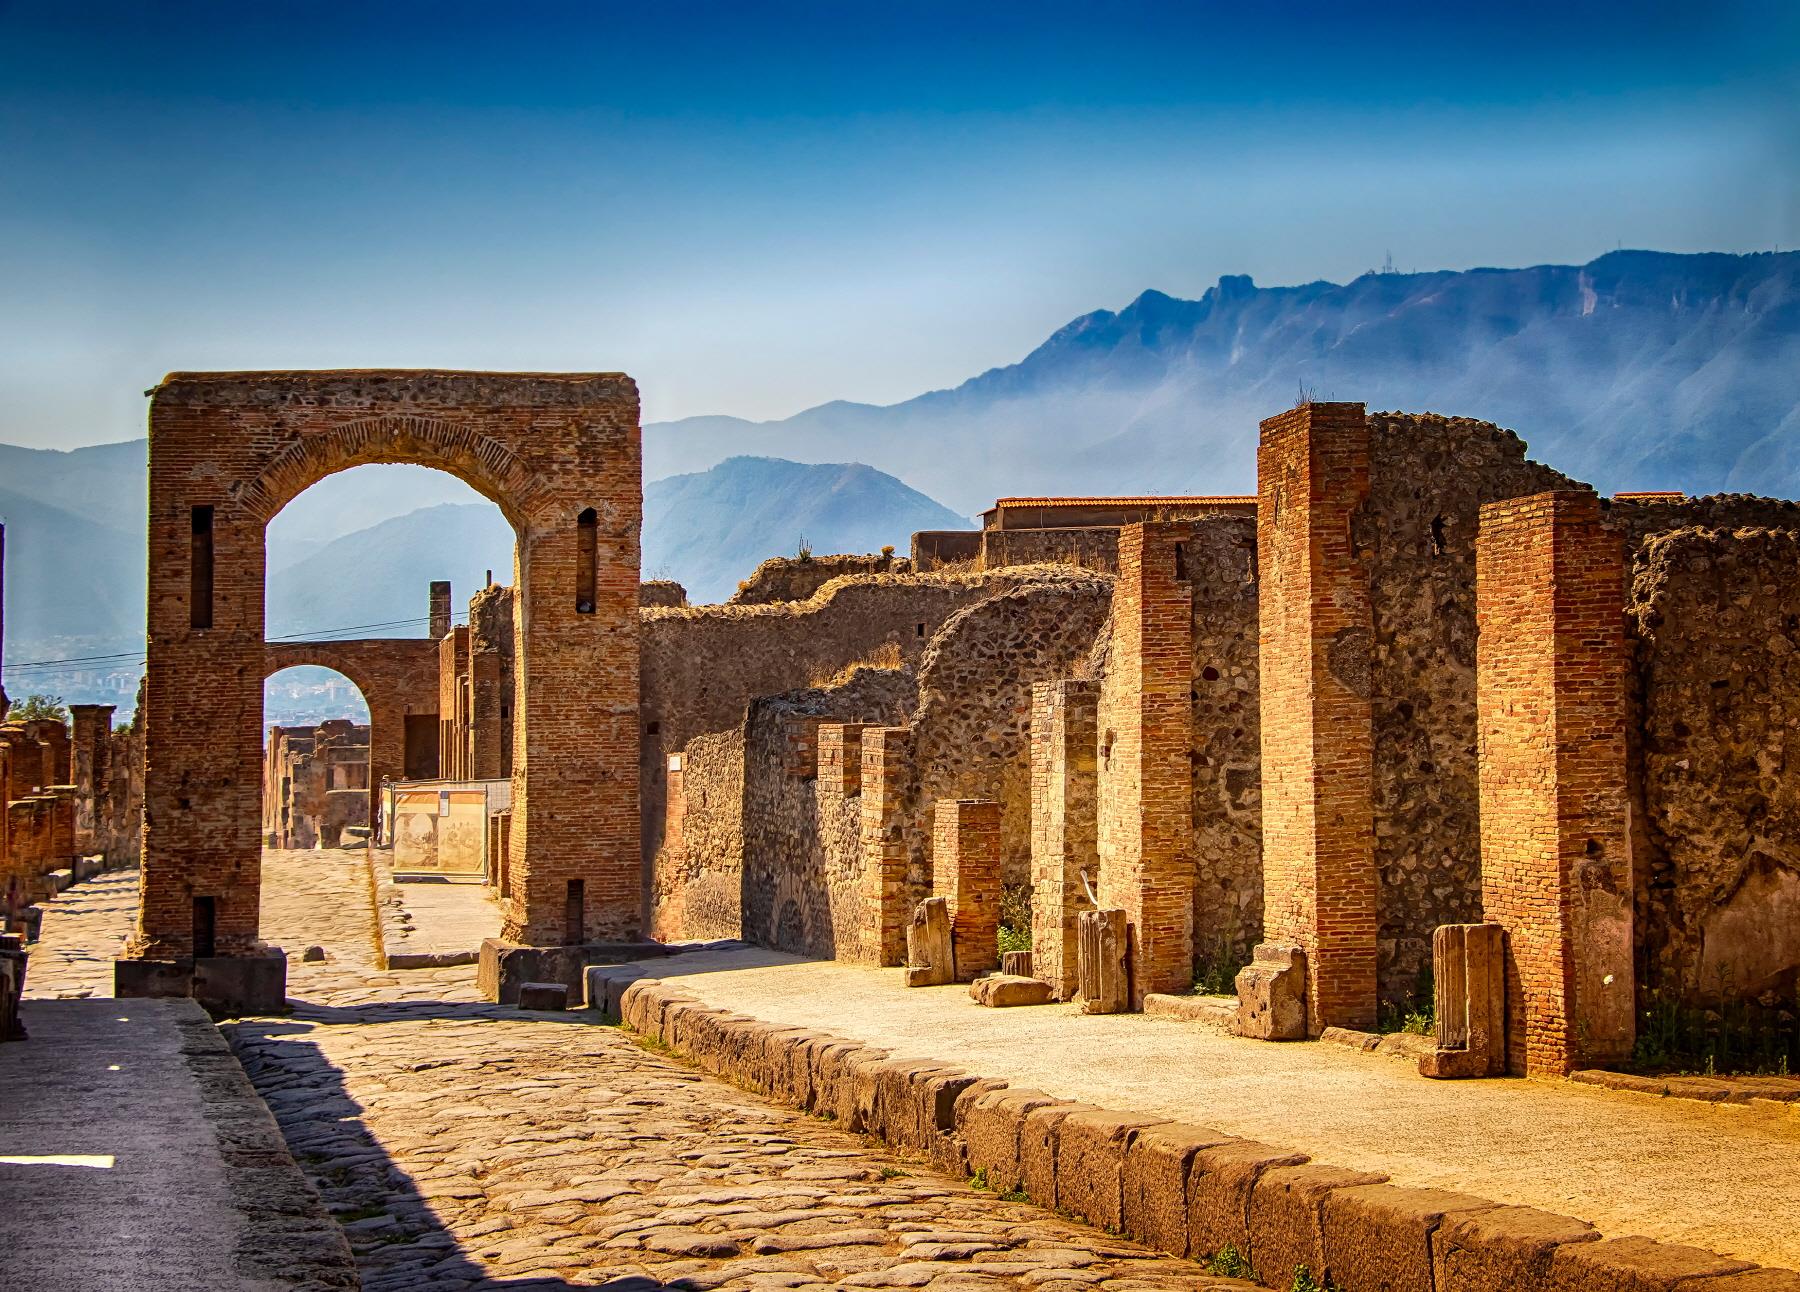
(1764, 1092)
(1185, 1190)
(393, 926)
(288, 1239)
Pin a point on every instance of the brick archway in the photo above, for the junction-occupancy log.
(397, 676)
(559, 454)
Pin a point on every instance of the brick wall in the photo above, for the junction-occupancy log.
(1145, 721)
(1064, 789)
(545, 448)
(1319, 876)
(1555, 859)
(965, 868)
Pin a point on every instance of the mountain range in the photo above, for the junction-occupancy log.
(1637, 370)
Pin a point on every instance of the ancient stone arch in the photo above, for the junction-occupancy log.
(559, 454)
(398, 676)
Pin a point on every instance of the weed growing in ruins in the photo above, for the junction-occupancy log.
(886, 655)
(1418, 1015)
(1305, 1282)
(1216, 971)
(1230, 1263)
(1015, 918)
(979, 1180)
(38, 706)
(1739, 1036)
(804, 554)
(894, 1173)
(1015, 1195)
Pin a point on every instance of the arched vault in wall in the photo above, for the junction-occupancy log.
(559, 454)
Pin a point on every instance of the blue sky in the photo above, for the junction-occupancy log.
(756, 208)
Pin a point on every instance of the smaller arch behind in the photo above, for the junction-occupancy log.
(398, 677)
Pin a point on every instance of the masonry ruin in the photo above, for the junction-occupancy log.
(559, 454)
(1422, 723)
(1417, 683)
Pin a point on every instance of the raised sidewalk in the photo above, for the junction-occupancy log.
(1723, 1178)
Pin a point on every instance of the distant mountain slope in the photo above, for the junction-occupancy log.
(68, 580)
(1639, 370)
(711, 528)
(379, 574)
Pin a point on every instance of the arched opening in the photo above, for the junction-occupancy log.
(316, 772)
(543, 447)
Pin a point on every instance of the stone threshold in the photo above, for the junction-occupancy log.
(1774, 1094)
(1181, 1189)
(1220, 1012)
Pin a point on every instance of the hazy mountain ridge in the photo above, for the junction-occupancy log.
(710, 529)
(1638, 370)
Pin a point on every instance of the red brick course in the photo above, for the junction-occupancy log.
(1555, 859)
(1319, 877)
(965, 867)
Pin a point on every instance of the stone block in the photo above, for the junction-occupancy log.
(1636, 1265)
(12, 987)
(503, 967)
(1219, 1011)
(1016, 963)
(233, 986)
(796, 1080)
(603, 986)
(1287, 1216)
(1090, 1166)
(830, 1059)
(1157, 1162)
(916, 1101)
(634, 1002)
(1272, 994)
(1003, 991)
(1103, 971)
(1378, 1236)
(992, 1126)
(1220, 1183)
(950, 1153)
(1037, 1149)
(152, 978)
(548, 996)
(1506, 1249)
(930, 957)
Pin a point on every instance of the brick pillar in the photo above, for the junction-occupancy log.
(887, 796)
(1319, 877)
(840, 757)
(1555, 855)
(1063, 788)
(1145, 814)
(965, 868)
(440, 609)
(87, 757)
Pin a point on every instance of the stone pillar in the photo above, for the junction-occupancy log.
(1555, 854)
(1469, 1001)
(1316, 630)
(965, 867)
(87, 757)
(888, 792)
(1063, 788)
(440, 609)
(1145, 814)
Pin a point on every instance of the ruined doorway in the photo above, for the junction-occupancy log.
(317, 771)
(559, 455)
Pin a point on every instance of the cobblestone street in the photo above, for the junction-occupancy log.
(464, 1145)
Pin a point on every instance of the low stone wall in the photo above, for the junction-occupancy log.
(1181, 1188)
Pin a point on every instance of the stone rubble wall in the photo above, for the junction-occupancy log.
(794, 578)
(1715, 615)
(1178, 1187)
(1428, 477)
(704, 665)
(972, 729)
